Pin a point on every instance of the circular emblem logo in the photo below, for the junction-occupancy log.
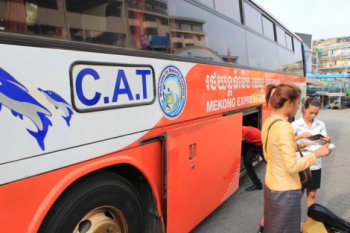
(172, 91)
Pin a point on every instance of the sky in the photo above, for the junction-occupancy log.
(322, 19)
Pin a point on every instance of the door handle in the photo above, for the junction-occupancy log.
(192, 151)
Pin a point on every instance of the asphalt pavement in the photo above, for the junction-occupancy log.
(242, 212)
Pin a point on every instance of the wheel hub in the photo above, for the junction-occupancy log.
(106, 219)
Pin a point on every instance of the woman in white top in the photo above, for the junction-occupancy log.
(304, 127)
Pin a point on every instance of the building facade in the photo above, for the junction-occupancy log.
(331, 56)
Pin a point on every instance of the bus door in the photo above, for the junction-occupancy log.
(203, 166)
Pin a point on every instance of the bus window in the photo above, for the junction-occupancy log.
(209, 3)
(45, 18)
(298, 58)
(291, 62)
(226, 43)
(188, 38)
(281, 38)
(149, 25)
(298, 50)
(229, 8)
(2, 16)
(289, 41)
(252, 18)
(37, 17)
(13, 16)
(268, 28)
(261, 52)
(96, 21)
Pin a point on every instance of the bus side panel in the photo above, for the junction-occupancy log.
(203, 169)
(25, 203)
(50, 132)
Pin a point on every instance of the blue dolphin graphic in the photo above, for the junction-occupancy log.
(59, 103)
(16, 97)
(8, 77)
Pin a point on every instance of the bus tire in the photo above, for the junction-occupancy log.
(104, 202)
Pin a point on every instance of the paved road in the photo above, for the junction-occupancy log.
(242, 212)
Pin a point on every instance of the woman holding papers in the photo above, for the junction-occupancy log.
(282, 199)
(310, 134)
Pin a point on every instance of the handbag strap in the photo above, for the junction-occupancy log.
(268, 131)
(267, 137)
(301, 154)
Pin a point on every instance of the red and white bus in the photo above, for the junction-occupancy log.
(126, 115)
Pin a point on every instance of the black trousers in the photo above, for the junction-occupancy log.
(250, 152)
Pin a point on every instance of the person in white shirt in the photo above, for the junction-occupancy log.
(304, 127)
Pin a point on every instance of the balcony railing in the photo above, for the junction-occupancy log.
(333, 57)
(320, 67)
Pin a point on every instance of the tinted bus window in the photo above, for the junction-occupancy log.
(291, 62)
(298, 55)
(229, 8)
(286, 60)
(209, 3)
(97, 22)
(289, 41)
(297, 49)
(149, 25)
(281, 37)
(173, 26)
(268, 28)
(36, 17)
(226, 43)
(252, 18)
(262, 53)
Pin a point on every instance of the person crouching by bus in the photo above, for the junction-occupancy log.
(304, 127)
(251, 147)
(282, 189)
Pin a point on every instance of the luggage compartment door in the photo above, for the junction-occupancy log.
(202, 171)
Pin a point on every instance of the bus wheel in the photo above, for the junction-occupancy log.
(104, 202)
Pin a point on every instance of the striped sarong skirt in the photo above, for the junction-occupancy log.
(282, 211)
